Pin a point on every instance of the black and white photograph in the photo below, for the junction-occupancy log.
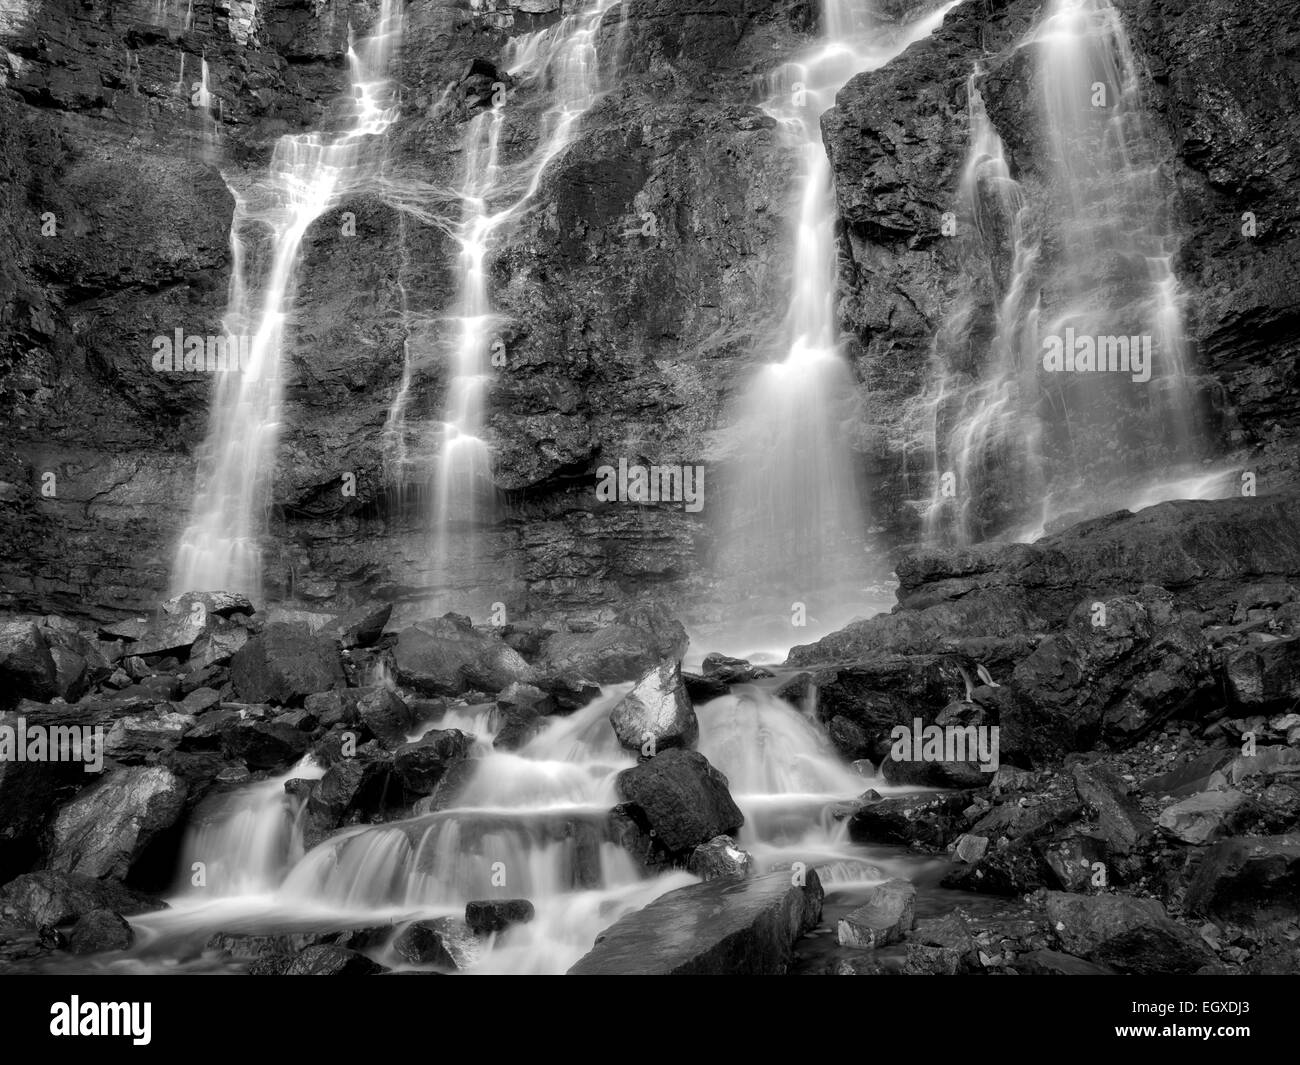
(650, 487)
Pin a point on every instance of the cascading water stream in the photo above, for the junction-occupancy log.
(1018, 441)
(221, 548)
(794, 519)
(563, 59)
(532, 823)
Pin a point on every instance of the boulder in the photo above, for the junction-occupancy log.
(625, 650)
(99, 931)
(362, 627)
(656, 714)
(446, 942)
(1245, 878)
(27, 669)
(887, 913)
(284, 664)
(1129, 934)
(1208, 816)
(521, 711)
(136, 737)
(107, 827)
(422, 764)
(730, 671)
(486, 916)
(1121, 821)
(680, 798)
(731, 926)
(719, 857)
(447, 656)
(47, 897)
(386, 715)
(259, 744)
(928, 819)
(1188, 778)
(1264, 676)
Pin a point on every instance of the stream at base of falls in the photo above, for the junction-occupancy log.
(528, 824)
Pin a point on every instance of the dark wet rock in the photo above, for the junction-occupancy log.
(334, 707)
(220, 604)
(1247, 877)
(925, 960)
(329, 960)
(422, 764)
(351, 788)
(137, 737)
(1188, 778)
(20, 944)
(51, 898)
(218, 644)
(1119, 818)
(950, 935)
(1132, 935)
(285, 664)
(106, 828)
(680, 799)
(656, 714)
(448, 656)
(99, 931)
(725, 926)
(26, 668)
(521, 710)
(702, 689)
(885, 916)
(1208, 816)
(386, 715)
(929, 820)
(362, 627)
(446, 942)
(261, 744)
(721, 856)
(1265, 675)
(732, 670)
(486, 916)
(862, 703)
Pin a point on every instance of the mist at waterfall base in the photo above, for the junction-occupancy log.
(791, 559)
(1084, 249)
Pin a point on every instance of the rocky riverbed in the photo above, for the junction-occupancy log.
(1142, 670)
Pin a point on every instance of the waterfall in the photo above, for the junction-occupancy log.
(794, 519)
(563, 60)
(221, 548)
(1079, 266)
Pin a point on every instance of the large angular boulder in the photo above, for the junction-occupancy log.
(107, 827)
(1132, 935)
(657, 713)
(728, 926)
(448, 656)
(1247, 877)
(27, 669)
(284, 664)
(885, 916)
(1207, 816)
(635, 643)
(422, 764)
(47, 897)
(680, 798)
(386, 715)
(1265, 675)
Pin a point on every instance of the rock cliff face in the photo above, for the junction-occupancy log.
(119, 187)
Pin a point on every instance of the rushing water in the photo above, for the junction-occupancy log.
(1084, 256)
(561, 60)
(221, 548)
(794, 511)
(529, 824)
